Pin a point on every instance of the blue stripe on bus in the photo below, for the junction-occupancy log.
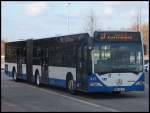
(97, 79)
(111, 89)
(62, 83)
(140, 79)
(52, 81)
(57, 82)
(23, 76)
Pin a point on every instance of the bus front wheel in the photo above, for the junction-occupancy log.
(70, 86)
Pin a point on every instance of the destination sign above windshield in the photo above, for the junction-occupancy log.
(117, 36)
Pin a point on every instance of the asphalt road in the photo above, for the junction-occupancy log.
(21, 96)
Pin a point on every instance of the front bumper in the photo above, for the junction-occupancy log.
(93, 89)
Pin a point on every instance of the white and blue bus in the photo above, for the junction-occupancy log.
(110, 61)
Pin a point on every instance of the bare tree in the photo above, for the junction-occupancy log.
(90, 23)
(137, 24)
(145, 31)
(2, 47)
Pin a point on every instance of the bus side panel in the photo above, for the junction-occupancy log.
(23, 74)
(10, 68)
(57, 75)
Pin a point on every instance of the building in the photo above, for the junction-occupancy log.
(2, 54)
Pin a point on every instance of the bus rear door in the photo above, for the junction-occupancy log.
(44, 66)
(19, 62)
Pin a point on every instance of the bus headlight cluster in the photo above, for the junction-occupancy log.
(95, 84)
(139, 83)
(93, 79)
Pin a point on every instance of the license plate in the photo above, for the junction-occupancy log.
(119, 89)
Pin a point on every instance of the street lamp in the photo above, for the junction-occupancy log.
(68, 18)
(140, 18)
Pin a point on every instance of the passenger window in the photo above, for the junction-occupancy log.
(132, 57)
(105, 52)
(85, 53)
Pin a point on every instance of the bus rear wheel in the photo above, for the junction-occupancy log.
(14, 75)
(37, 80)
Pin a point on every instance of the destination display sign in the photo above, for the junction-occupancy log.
(117, 36)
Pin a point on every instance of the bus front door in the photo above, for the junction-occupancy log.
(44, 66)
(81, 67)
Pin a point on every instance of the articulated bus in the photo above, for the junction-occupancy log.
(110, 61)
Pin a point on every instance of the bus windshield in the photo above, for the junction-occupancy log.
(118, 57)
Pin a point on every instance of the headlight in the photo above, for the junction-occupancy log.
(139, 83)
(95, 84)
(93, 78)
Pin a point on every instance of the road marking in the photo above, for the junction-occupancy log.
(77, 100)
(82, 101)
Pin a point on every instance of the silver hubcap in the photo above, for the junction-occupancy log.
(15, 76)
(70, 85)
(38, 80)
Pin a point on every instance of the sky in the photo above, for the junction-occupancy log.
(34, 19)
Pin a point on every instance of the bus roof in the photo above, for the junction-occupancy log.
(79, 35)
(65, 36)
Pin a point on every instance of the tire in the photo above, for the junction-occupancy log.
(37, 80)
(70, 86)
(15, 75)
